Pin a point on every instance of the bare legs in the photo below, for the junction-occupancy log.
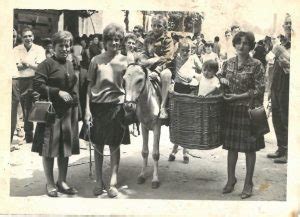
(98, 190)
(115, 162)
(231, 164)
(166, 81)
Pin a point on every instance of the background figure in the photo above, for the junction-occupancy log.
(56, 79)
(27, 56)
(139, 33)
(217, 47)
(280, 93)
(260, 52)
(95, 47)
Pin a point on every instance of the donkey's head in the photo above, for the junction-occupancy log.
(134, 84)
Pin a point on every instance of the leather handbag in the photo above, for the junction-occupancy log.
(42, 112)
(258, 119)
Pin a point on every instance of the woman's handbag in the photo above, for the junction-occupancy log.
(258, 119)
(42, 112)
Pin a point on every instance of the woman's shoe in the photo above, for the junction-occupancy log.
(97, 191)
(246, 194)
(69, 191)
(229, 188)
(51, 192)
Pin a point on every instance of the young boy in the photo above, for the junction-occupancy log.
(164, 50)
(184, 69)
(208, 82)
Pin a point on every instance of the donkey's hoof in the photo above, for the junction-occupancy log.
(141, 180)
(171, 157)
(112, 192)
(155, 184)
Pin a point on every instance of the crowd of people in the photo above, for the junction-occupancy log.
(83, 78)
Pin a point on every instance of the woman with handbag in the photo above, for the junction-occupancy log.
(244, 78)
(55, 79)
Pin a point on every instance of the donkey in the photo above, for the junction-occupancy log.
(142, 97)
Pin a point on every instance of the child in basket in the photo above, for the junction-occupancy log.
(209, 84)
(184, 70)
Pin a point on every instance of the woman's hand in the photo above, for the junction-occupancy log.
(224, 81)
(230, 97)
(65, 96)
(87, 116)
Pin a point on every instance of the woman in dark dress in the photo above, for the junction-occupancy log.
(244, 77)
(55, 77)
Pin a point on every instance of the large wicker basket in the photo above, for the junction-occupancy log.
(195, 122)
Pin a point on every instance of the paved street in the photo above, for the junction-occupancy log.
(202, 179)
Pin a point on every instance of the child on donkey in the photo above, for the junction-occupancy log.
(184, 70)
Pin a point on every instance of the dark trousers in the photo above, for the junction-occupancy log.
(280, 114)
(21, 94)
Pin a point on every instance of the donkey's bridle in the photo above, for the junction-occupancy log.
(144, 85)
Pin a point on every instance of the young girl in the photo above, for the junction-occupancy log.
(208, 82)
(184, 68)
(209, 54)
(105, 97)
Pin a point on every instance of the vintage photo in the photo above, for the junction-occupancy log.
(156, 105)
(85, 80)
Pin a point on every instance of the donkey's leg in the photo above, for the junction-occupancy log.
(145, 153)
(114, 167)
(155, 154)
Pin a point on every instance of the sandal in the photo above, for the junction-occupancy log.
(69, 191)
(112, 192)
(52, 192)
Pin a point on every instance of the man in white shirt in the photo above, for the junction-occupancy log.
(27, 56)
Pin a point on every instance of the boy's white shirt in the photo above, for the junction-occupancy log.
(188, 69)
(207, 85)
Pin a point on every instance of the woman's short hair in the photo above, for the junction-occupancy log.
(130, 36)
(211, 65)
(160, 17)
(62, 36)
(249, 36)
(111, 31)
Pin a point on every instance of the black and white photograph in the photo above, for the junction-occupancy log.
(155, 110)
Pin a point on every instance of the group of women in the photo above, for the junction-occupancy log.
(55, 77)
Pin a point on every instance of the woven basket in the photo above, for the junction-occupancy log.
(195, 122)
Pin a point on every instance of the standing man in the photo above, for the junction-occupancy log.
(27, 56)
(280, 94)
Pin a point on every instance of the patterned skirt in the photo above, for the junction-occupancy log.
(237, 131)
(108, 127)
